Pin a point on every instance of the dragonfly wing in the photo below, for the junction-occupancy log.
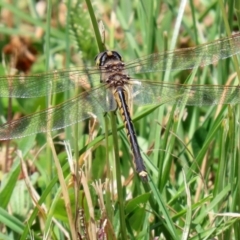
(72, 111)
(145, 92)
(20, 86)
(186, 58)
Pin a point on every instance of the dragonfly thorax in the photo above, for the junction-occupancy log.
(117, 80)
(112, 69)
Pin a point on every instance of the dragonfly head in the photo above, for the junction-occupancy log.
(104, 57)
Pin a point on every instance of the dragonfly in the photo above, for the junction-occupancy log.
(115, 86)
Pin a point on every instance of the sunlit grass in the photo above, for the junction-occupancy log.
(191, 153)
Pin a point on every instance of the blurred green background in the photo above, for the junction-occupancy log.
(191, 152)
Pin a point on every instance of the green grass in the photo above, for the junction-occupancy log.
(191, 153)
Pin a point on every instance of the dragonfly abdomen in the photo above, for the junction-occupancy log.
(120, 96)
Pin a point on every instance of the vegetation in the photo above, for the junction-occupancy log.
(77, 183)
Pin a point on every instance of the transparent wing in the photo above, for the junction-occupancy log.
(62, 80)
(47, 83)
(144, 92)
(187, 58)
(84, 106)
